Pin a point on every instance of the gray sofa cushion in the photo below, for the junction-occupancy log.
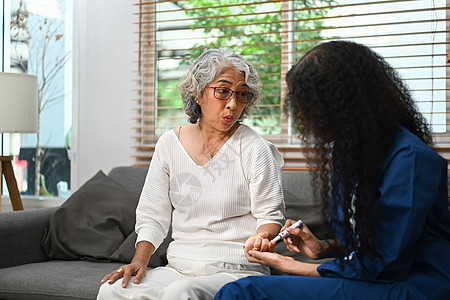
(93, 223)
(132, 178)
(21, 235)
(300, 203)
(56, 279)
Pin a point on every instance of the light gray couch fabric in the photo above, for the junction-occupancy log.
(55, 279)
(26, 272)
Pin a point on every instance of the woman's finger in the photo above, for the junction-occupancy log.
(106, 278)
(139, 276)
(114, 275)
(126, 277)
(257, 244)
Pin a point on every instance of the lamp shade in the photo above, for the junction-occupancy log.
(18, 103)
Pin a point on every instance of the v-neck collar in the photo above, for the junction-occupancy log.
(218, 153)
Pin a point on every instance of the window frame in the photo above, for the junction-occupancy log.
(293, 156)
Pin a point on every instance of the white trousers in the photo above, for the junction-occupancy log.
(181, 280)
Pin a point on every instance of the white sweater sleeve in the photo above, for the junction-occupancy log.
(267, 201)
(153, 213)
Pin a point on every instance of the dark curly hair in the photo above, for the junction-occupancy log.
(347, 102)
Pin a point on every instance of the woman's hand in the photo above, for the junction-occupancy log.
(257, 242)
(136, 268)
(283, 263)
(303, 240)
(261, 240)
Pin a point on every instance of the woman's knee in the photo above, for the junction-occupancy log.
(186, 289)
(110, 291)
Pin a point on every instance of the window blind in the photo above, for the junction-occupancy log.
(412, 35)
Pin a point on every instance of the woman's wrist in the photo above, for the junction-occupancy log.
(270, 230)
(143, 252)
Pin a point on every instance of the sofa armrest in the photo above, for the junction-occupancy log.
(21, 234)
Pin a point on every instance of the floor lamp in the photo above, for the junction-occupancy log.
(18, 113)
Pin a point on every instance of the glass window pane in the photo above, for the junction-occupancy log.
(41, 44)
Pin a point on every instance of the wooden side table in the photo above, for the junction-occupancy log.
(7, 170)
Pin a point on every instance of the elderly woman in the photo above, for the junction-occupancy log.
(215, 181)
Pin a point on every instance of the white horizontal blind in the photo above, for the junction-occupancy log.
(411, 34)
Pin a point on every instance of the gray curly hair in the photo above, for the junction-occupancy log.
(203, 71)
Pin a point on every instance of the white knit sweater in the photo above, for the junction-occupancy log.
(213, 208)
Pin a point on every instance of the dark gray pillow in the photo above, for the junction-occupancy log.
(93, 222)
(97, 224)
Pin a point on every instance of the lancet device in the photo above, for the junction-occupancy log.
(284, 233)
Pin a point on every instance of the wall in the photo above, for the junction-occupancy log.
(104, 61)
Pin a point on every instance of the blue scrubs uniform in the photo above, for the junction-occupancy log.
(413, 240)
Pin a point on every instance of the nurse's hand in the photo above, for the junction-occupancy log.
(284, 263)
(303, 240)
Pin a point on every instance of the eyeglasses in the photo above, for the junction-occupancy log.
(223, 93)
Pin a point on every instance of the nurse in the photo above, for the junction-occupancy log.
(389, 200)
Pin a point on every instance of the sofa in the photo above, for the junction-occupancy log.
(34, 264)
